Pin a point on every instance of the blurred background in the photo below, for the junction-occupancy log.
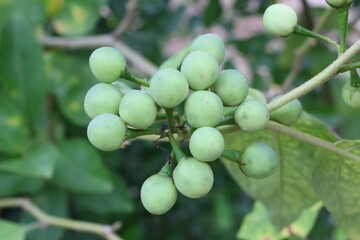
(44, 76)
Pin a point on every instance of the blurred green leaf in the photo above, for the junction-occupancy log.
(12, 231)
(53, 201)
(117, 201)
(212, 12)
(77, 17)
(80, 168)
(11, 184)
(336, 180)
(257, 225)
(22, 70)
(287, 192)
(38, 161)
(14, 136)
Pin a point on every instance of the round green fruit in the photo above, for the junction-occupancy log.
(158, 194)
(231, 86)
(193, 178)
(252, 115)
(351, 95)
(280, 20)
(200, 70)
(107, 64)
(210, 43)
(257, 95)
(258, 160)
(138, 109)
(203, 109)
(169, 87)
(102, 98)
(287, 114)
(206, 144)
(106, 132)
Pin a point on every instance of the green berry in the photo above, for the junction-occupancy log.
(102, 98)
(231, 86)
(193, 178)
(257, 95)
(210, 43)
(169, 87)
(107, 64)
(280, 20)
(158, 194)
(206, 144)
(258, 160)
(203, 109)
(138, 109)
(106, 132)
(200, 70)
(287, 114)
(351, 95)
(252, 115)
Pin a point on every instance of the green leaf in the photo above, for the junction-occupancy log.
(212, 12)
(117, 201)
(336, 180)
(39, 162)
(11, 184)
(22, 70)
(53, 201)
(77, 17)
(257, 225)
(287, 192)
(70, 79)
(14, 132)
(80, 168)
(12, 231)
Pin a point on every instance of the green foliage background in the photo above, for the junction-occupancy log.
(45, 155)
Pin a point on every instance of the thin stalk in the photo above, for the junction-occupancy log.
(308, 33)
(232, 155)
(350, 66)
(179, 154)
(170, 118)
(343, 22)
(140, 81)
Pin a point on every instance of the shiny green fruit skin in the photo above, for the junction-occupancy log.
(106, 132)
(107, 64)
(287, 114)
(138, 109)
(231, 86)
(203, 109)
(200, 70)
(193, 178)
(259, 160)
(252, 115)
(206, 144)
(158, 194)
(102, 98)
(280, 20)
(210, 43)
(351, 95)
(168, 87)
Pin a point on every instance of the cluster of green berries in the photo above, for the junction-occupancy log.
(202, 97)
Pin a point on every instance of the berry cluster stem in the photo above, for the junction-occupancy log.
(308, 33)
(179, 154)
(140, 81)
(318, 79)
(170, 118)
(343, 22)
(232, 155)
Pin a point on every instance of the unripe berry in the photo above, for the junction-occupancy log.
(280, 20)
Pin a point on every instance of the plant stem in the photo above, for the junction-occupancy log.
(179, 154)
(140, 81)
(350, 66)
(343, 21)
(308, 33)
(317, 80)
(106, 231)
(232, 155)
(167, 169)
(354, 78)
(170, 118)
(134, 133)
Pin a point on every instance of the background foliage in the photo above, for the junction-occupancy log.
(45, 155)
